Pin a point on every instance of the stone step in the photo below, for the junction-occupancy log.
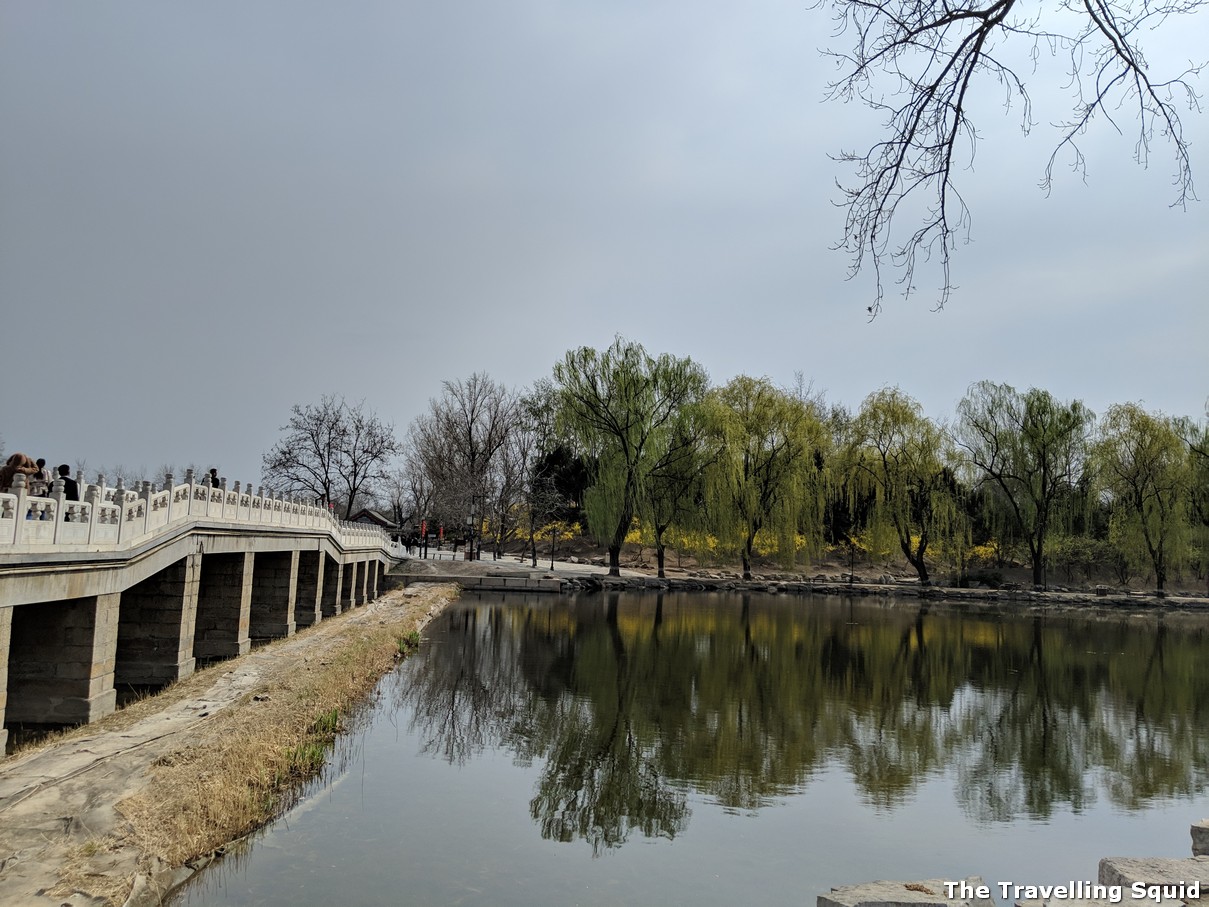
(1154, 871)
(926, 893)
(1200, 838)
(1163, 881)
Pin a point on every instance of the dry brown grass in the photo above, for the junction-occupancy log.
(89, 869)
(253, 759)
(234, 767)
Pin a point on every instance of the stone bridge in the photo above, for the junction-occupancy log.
(131, 588)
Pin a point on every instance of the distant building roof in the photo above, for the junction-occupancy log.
(373, 516)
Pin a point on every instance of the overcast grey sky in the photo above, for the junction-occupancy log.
(212, 211)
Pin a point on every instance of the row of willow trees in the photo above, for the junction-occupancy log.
(645, 444)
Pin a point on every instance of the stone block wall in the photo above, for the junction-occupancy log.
(332, 600)
(351, 586)
(156, 626)
(224, 602)
(61, 660)
(6, 632)
(309, 596)
(274, 587)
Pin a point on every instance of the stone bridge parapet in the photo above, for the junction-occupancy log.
(129, 588)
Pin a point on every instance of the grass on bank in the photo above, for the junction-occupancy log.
(253, 760)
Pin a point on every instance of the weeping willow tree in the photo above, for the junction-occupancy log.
(1197, 439)
(767, 481)
(1145, 470)
(900, 460)
(674, 492)
(1028, 450)
(620, 407)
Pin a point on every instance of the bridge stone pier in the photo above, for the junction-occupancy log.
(132, 589)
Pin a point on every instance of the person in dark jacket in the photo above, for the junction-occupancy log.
(71, 488)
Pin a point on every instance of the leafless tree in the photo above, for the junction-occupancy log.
(917, 62)
(331, 451)
(457, 443)
(407, 493)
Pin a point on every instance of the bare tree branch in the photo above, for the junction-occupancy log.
(931, 54)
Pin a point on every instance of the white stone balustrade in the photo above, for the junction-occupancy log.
(118, 518)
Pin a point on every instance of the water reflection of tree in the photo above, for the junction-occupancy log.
(602, 775)
(630, 702)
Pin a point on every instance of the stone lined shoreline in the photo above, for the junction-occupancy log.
(1162, 881)
(582, 576)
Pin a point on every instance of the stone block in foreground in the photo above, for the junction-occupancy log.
(1084, 902)
(1154, 871)
(927, 893)
(1129, 871)
(1200, 838)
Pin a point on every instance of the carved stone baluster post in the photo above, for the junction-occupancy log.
(119, 501)
(57, 495)
(222, 482)
(190, 488)
(146, 492)
(171, 497)
(22, 510)
(92, 496)
(207, 487)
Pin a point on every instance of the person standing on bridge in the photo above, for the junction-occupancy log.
(71, 488)
(39, 482)
(17, 463)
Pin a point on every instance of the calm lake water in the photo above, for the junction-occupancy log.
(722, 749)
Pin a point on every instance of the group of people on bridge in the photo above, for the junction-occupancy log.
(38, 479)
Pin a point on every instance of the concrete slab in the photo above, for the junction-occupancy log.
(928, 892)
(1154, 870)
(1200, 838)
(1163, 880)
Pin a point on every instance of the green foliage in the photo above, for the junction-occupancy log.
(768, 482)
(1145, 472)
(904, 464)
(409, 643)
(622, 408)
(1027, 451)
(1081, 557)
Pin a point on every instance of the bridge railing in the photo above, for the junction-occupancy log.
(118, 517)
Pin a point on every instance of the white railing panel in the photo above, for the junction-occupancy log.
(8, 519)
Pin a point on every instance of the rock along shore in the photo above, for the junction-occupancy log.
(507, 575)
(1152, 881)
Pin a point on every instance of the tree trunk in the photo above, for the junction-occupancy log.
(921, 568)
(659, 558)
(614, 560)
(915, 558)
(1038, 549)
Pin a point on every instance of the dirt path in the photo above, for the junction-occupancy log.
(63, 840)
